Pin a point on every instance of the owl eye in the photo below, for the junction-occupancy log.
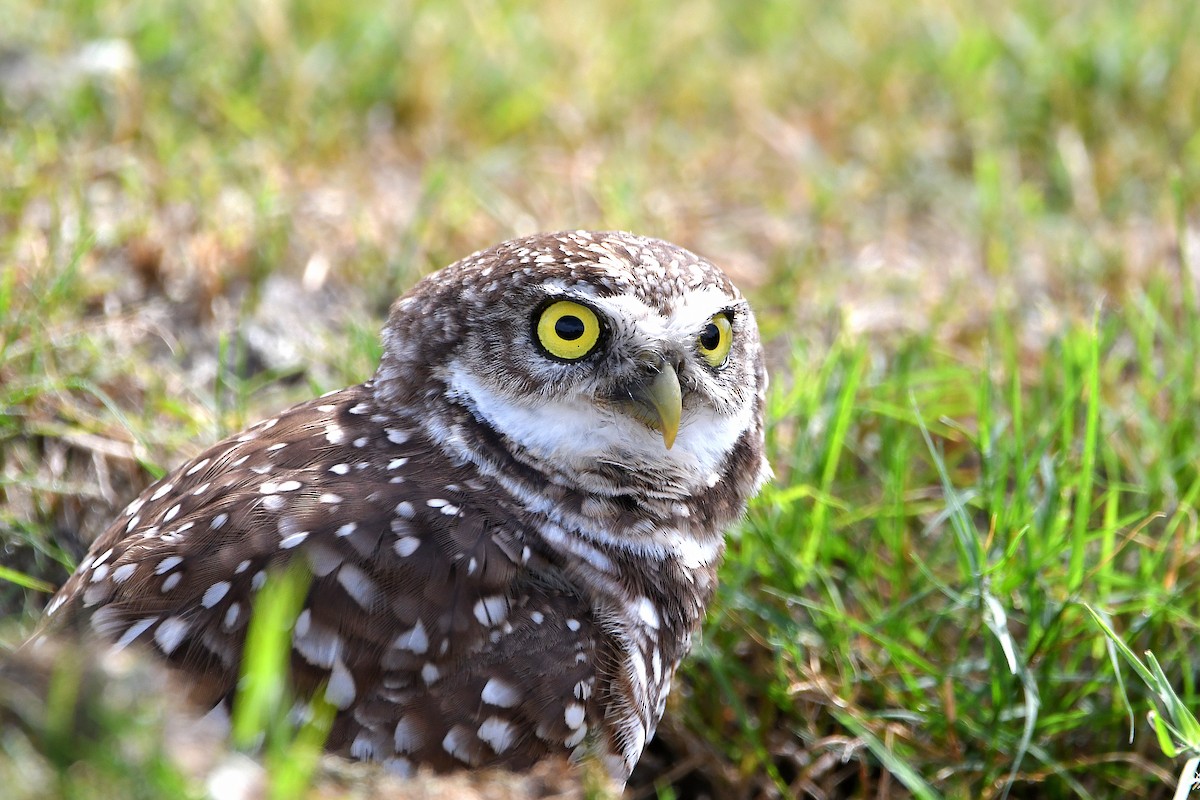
(567, 330)
(715, 339)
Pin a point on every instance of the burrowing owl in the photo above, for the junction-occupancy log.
(513, 527)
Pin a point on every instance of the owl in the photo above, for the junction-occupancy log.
(513, 528)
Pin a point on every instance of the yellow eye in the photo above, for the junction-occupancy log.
(716, 339)
(567, 330)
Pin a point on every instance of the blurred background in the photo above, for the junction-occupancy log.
(969, 230)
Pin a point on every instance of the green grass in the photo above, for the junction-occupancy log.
(970, 232)
(290, 749)
(942, 615)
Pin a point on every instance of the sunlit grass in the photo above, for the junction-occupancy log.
(942, 612)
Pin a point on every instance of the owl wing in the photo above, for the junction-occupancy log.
(429, 624)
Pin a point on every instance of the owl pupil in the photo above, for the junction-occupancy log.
(569, 328)
(710, 337)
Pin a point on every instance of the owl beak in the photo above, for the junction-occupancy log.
(659, 402)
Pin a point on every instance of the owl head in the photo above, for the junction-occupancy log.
(614, 362)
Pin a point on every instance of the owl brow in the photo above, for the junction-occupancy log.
(584, 300)
(730, 313)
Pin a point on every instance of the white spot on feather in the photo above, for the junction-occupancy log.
(491, 610)
(340, 690)
(290, 536)
(499, 692)
(497, 733)
(170, 634)
(415, 640)
(167, 564)
(576, 737)
(362, 748)
(573, 715)
(455, 743)
(133, 632)
(408, 737)
(358, 585)
(294, 540)
(646, 612)
(199, 465)
(214, 593)
(55, 604)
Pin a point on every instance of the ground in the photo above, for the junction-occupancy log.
(971, 233)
